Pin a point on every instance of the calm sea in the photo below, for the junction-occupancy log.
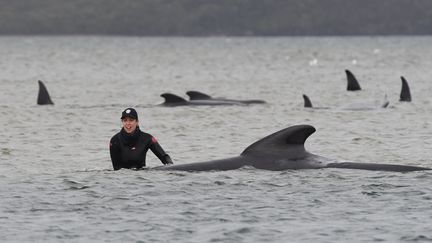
(56, 179)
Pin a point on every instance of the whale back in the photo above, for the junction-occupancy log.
(172, 98)
(196, 95)
(289, 138)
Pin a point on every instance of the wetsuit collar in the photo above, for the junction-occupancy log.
(130, 139)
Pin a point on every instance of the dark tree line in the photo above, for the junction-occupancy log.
(216, 17)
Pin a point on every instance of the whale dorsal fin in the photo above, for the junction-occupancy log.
(307, 102)
(353, 84)
(43, 95)
(295, 135)
(385, 102)
(405, 94)
(172, 98)
(196, 95)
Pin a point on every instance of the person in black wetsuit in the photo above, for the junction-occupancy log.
(128, 148)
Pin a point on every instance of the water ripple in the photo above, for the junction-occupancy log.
(57, 178)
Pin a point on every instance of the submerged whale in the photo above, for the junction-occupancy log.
(354, 106)
(352, 82)
(405, 94)
(284, 150)
(196, 95)
(308, 103)
(174, 100)
(43, 95)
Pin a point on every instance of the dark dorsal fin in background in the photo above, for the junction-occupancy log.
(295, 135)
(43, 96)
(405, 94)
(172, 98)
(196, 95)
(353, 84)
(307, 102)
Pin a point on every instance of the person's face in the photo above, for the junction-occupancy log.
(129, 124)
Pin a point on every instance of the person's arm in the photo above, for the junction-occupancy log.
(159, 152)
(115, 153)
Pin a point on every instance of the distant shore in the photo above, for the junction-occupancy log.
(216, 18)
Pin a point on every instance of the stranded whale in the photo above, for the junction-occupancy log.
(196, 95)
(284, 150)
(352, 83)
(174, 100)
(354, 107)
(405, 94)
(43, 95)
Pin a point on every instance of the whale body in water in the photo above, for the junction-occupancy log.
(284, 150)
(353, 107)
(196, 95)
(175, 100)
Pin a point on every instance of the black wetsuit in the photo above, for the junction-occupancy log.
(129, 150)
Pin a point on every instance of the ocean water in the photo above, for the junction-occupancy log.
(57, 183)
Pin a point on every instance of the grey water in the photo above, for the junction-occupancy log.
(56, 179)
